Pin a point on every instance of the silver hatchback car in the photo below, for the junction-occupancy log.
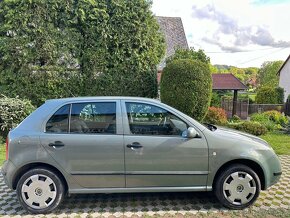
(126, 144)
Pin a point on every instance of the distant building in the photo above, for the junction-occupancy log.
(284, 80)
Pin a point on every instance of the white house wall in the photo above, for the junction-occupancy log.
(284, 81)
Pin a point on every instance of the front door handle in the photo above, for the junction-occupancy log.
(56, 144)
(134, 145)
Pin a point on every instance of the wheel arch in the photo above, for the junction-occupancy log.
(249, 163)
(20, 172)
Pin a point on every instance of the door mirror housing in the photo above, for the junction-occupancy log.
(190, 133)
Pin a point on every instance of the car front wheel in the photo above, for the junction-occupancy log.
(237, 187)
(40, 190)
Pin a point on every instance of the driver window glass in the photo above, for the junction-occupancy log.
(58, 123)
(146, 119)
(93, 118)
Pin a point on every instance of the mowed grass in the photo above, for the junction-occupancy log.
(279, 141)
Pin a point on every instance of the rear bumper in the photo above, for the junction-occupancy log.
(8, 171)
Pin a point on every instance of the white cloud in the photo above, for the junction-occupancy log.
(243, 35)
(233, 26)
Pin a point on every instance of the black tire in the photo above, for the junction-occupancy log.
(224, 195)
(43, 174)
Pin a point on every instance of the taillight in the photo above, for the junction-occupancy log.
(7, 140)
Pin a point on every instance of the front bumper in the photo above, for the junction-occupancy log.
(274, 171)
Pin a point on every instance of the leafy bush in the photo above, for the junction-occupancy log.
(186, 85)
(251, 127)
(12, 112)
(2, 140)
(235, 119)
(270, 119)
(215, 100)
(216, 116)
(276, 117)
(288, 128)
(270, 95)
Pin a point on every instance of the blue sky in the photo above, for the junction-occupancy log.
(263, 2)
(241, 33)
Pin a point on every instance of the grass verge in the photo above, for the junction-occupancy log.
(279, 141)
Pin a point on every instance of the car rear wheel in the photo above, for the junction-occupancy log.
(40, 190)
(237, 187)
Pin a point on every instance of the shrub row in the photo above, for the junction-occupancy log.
(254, 128)
(218, 116)
(272, 120)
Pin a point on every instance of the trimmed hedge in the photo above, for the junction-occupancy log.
(270, 95)
(216, 116)
(12, 112)
(186, 85)
(54, 49)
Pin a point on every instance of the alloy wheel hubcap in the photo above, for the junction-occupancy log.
(239, 188)
(38, 191)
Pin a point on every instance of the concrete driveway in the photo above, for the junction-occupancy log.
(138, 205)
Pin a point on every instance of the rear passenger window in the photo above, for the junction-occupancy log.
(92, 118)
(58, 123)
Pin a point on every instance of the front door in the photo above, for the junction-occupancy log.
(86, 141)
(156, 154)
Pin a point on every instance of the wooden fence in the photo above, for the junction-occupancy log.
(287, 108)
(260, 108)
(244, 109)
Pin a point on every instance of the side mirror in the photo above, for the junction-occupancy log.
(190, 133)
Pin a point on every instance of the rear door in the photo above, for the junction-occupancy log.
(156, 154)
(86, 139)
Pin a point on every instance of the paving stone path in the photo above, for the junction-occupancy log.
(148, 204)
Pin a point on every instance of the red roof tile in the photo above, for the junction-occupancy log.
(226, 81)
(221, 81)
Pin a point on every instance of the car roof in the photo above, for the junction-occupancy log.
(92, 98)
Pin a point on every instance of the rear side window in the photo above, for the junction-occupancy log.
(93, 118)
(59, 122)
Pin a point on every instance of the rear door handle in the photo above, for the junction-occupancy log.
(56, 144)
(134, 145)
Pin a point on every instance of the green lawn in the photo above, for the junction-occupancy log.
(279, 141)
